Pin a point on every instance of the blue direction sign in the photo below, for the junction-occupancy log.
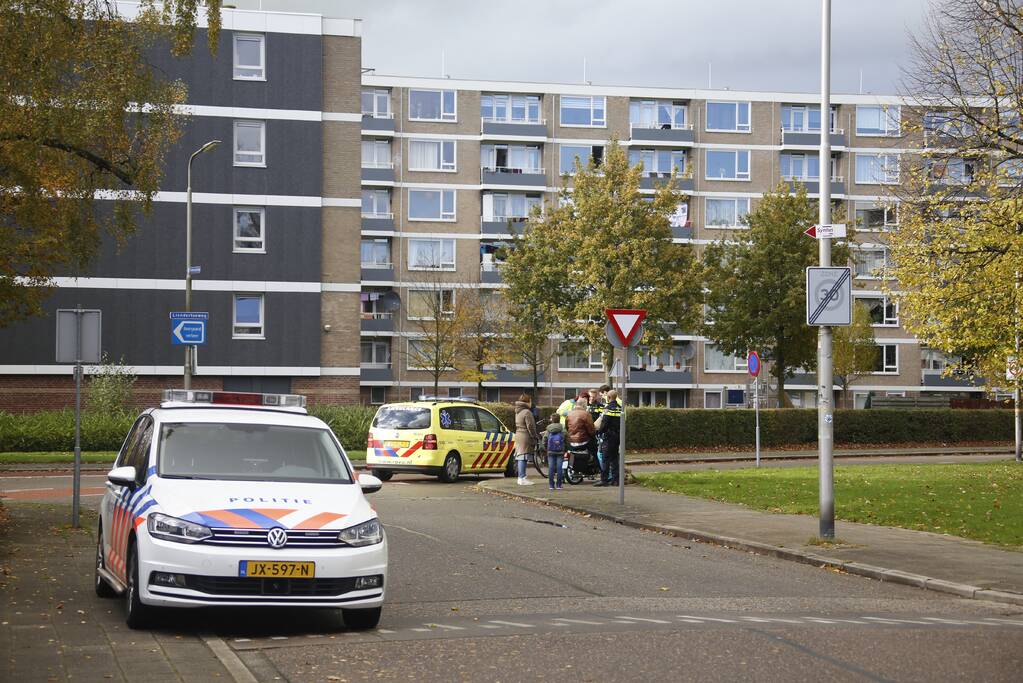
(188, 328)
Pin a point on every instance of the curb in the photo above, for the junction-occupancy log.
(804, 456)
(821, 561)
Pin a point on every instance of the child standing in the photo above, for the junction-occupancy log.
(554, 440)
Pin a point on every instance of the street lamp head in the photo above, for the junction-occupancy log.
(208, 146)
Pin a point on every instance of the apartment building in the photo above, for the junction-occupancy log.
(432, 178)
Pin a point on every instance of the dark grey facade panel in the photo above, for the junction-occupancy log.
(506, 178)
(294, 73)
(514, 129)
(375, 374)
(662, 134)
(652, 183)
(293, 155)
(660, 377)
(503, 227)
(292, 239)
(379, 175)
(373, 123)
(136, 327)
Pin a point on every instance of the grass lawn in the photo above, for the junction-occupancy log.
(93, 457)
(982, 501)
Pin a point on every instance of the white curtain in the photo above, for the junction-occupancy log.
(424, 154)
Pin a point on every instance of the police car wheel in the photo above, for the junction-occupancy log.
(137, 614)
(383, 475)
(452, 468)
(361, 619)
(103, 589)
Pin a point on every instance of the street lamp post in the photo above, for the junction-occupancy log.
(188, 254)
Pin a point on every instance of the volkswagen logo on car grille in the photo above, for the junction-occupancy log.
(277, 537)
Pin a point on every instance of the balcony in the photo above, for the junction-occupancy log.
(650, 181)
(934, 378)
(375, 372)
(665, 132)
(504, 129)
(504, 176)
(378, 174)
(490, 273)
(378, 124)
(812, 184)
(508, 225)
(377, 322)
(810, 138)
(378, 222)
(377, 272)
(682, 231)
(660, 376)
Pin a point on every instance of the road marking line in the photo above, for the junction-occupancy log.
(1005, 621)
(278, 637)
(234, 665)
(580, 621)
(243, 640)
(723, 621)
(511, 623)
(622, 621)
(385, 630)
(756, 619)
(46, 488)
(421, 630)
(417, 533)
(488, 626)
(690, 621)
(949, 621)
(652, 621)
(897, 621)
(449, 628)
(818, 620)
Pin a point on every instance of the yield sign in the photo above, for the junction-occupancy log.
(625, 322)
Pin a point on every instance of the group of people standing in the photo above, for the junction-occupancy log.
(590, 422)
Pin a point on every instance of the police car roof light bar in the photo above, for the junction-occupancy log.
(235, 398)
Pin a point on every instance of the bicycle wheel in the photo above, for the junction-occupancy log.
(540, 462)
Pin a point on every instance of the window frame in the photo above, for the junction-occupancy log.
(375, 345)
(409, 355)
(244, 123)
(591, 366)
(445, 167)
(261, 326)
(886, 119)
(886, 301)
(509, 106)
(373, 400)
(738, 126)
(443, 266)
(440, 293)
(887, 208)
(885, 261)
(735, 201)
(376, 93)
(235, 237)
(376, 145)
(445, 117)
(884, 360)
(592, 124)
(735, 152)
(374, 241)
(720, 395)
(235, 66)
(442, 217)
(888, 179)
(739, 364)
(590, 158)
(376, 193)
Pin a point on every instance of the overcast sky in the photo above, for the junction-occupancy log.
(750, 44)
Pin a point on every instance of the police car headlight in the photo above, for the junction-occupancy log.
(367, 533)
(174, 529)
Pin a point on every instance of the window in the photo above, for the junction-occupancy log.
(248, 316)
(511, 158)
(876, 216)
(249, 229)
(583, 111)
(878, 120)
(887, 359)
(377, 305)
(712, 399)
(376, 154)
(726, 212)
(870, 262)
(1010, 172)
(952, 171)
(714, 360)
(883, 311)
(468, 415)
(425, 304)
(375, 354)
(431, 205)
(375, 253)
(489, 423)
(801, 118)
(431, 105)
(803, 167)
(431, 155)
(580, 357)
(664, 114)
(877, 169)
(376, 203)
(377, 396)
(415, 392)
(935, 362)
(510, 108)
(431, 254)
(860, 399)
(948, 124)
(657, 163)
(677, 358)
(249, 57)
(422, 355)
(249, 143)
(500, 206)
(584, 153)
(727, 164)
(731, 117)
(376, 103)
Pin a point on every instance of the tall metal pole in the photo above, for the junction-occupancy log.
(621, 427)
(756, 411)
(76, 492)
(825, 379)
(189, 348)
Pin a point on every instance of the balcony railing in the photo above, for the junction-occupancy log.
(379, 214)
(660, 126)
(376, 366)
(377, 315)
(811, 179)
(370, 264)
(509, 169)
(379, 114)
(815, 131)
(377, 164)
(521, 122)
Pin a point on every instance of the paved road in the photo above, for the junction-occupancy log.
(483, 588)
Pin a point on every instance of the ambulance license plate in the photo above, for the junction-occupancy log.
(396, 444)
(276, 570)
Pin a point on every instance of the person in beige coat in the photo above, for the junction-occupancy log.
(525, 436)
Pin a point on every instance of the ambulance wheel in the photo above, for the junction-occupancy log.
(103, 589)
(382, 475)
(361, 619)
(136, 614)
(452, 468)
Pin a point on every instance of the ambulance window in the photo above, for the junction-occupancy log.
(458, 417)
(402, 417)
(488, 423)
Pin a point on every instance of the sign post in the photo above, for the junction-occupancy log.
(79, 333)
(753, 365)
(624, 330)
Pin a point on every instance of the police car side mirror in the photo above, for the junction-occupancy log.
(122, 476)
(369, 483)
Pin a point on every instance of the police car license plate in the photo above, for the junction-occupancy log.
(396, 444)
(277, 570)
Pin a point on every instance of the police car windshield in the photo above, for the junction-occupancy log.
(251, 452)
(402, 417)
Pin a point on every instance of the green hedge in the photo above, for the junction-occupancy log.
(649, 428)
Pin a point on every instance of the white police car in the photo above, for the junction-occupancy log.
(228, 499)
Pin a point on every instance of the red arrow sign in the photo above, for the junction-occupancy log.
(811, 231)
(625, 322)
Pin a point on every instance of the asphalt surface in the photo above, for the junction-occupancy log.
(484, 588)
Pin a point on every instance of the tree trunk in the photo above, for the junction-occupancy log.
(779, 373)
(536, 383)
